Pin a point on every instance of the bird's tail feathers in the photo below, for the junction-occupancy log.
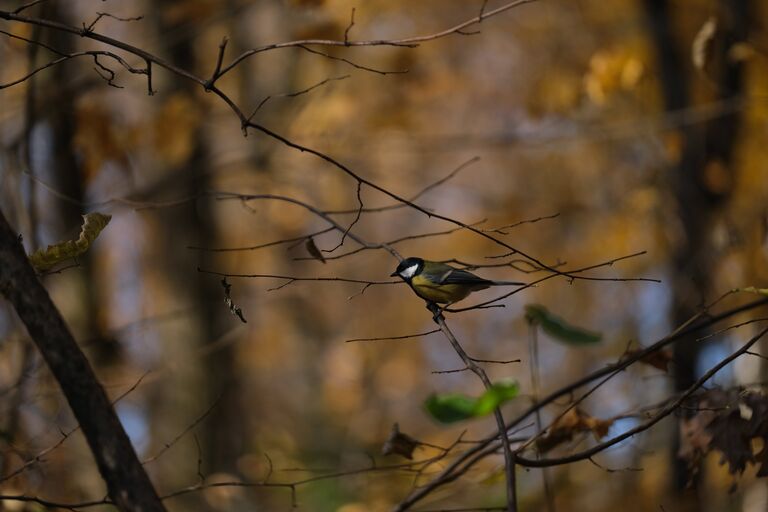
(507, 283)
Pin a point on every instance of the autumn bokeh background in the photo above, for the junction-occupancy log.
(573, 109)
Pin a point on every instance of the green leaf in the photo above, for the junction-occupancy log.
(452, 407)
(496, 395)
(558, 328)
(93, 224)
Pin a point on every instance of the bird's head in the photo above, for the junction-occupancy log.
(408, 268)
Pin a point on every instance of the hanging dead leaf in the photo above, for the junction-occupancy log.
(569, 424)
(658, 359)
(235, 310)
(399, 443)
(313, 250)
(93, 224)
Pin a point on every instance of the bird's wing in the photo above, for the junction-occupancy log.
(456, 276)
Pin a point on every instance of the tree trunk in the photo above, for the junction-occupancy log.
(127, 482)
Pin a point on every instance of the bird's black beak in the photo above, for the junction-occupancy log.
(394, 274)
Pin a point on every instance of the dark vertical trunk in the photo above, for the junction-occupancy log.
(67, 174)
(703, 179)
(223, 431)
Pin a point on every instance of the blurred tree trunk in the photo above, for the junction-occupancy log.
(69, 178)
(195, 224)
(704, 176)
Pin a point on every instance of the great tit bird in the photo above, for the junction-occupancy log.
(440, 283)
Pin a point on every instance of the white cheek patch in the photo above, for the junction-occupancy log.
(408, 272)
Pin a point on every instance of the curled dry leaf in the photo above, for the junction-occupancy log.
(93, 224)
(399, 443)
(313, 250)
(235, 310)
(658, 359)
(571, 423)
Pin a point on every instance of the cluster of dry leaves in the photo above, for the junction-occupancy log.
(732, 422)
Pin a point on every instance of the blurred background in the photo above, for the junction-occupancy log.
(642, 125)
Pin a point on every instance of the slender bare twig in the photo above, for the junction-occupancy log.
(291, 279)
(403, 337)
(167, 446)
(297, 93)
(28, 5)
(417, 195)
(569, 273)
(100, 15)
(349, 27)
(219, 60)
(264, 245)
(353, 64)
(409, 42)
(509, 457)
(394, 241)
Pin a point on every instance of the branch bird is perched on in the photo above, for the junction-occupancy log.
(440, 283)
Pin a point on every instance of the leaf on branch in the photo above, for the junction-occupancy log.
(727, 421)
(569, 424)
(313, 250)
(658, 359)
(93, 224)
(230, 304)
(452, 407)
(558, 328)
(399, 443)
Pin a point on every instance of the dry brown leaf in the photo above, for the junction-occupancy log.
(399, 443)
(658, 359)
(571, 423)
(727, 421)
(313, 250)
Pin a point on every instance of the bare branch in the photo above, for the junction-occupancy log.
(217, 70)
(349, 27)
(354, 65)
(295, 94)
(356, 219)
(27, 6)
(403, 337)
(299, 239)
(100, 15)
(184, 432)
(291, 279)
(408, 42)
